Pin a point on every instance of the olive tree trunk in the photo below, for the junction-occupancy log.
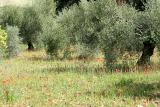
(147, 52)
(30, 46)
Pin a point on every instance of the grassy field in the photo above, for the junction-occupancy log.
(30, 80)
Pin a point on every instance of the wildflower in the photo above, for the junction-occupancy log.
(145, 103)
(157, 103)
(6, 81)
(145, 68)
(126, 69)
(117, 70)
(100, 59)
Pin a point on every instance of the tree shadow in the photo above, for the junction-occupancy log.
(77, 68)
(129, 88)
(38, 59)
(150, 90)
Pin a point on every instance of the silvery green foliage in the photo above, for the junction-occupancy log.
(53, 36)
(11, 15)
(45, 10)
(45, 7)
(154, 16)
(39, 41)
(102, 24)
(13, 41)
(59, 33)
(105, 23)
(31, 25)
(95, 25)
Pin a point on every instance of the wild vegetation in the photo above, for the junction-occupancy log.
(80, 53)
(31, 80)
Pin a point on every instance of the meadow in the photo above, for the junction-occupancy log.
(32, 80)
(93, 54)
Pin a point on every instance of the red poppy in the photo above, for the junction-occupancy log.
(126, 69)
(117, 70)
(100, 59)
(145, 68)
(6, 81)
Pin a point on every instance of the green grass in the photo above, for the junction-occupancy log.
(30, 80)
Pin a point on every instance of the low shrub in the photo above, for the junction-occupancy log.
(3, 38)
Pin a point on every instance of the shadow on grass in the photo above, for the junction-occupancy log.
(129, 88)
(138, 89)
(39, 59)
(66, 68)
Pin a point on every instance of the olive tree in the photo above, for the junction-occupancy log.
(11, 15)
(148, 29)
(30, 27)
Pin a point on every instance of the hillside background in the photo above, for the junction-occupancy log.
(15, 2)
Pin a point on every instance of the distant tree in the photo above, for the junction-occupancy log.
(30, 27)
(11, 15)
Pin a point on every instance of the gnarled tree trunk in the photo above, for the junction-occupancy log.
(148, 50)
(30, 46)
